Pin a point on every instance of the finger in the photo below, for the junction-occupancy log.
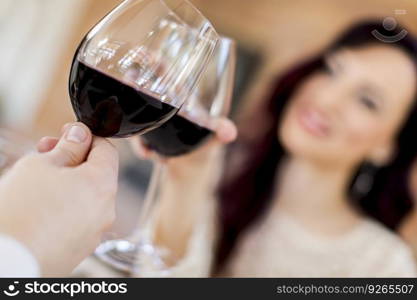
(103, 157)
(46, 144)
(73, 146)
(226, 131)
(139, 148)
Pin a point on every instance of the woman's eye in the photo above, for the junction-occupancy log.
(368, 103)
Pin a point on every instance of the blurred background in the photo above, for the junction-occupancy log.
(38, 39)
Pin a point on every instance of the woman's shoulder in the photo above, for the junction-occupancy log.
(391, 255)
(377, 232)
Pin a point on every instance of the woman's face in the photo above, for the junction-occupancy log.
(352, 109)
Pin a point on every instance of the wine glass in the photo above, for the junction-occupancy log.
(138, 65)
(183, 133)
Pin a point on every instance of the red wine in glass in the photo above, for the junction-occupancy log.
(111, 108)
(178, 136)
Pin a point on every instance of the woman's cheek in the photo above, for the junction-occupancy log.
(361, 134)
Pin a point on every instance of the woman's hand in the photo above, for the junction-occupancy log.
(59, 202)
(187, 165)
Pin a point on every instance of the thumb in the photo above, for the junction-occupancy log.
(73, 146)
(226, 131)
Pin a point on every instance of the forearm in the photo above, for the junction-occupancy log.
(183, 201)
(177, 219)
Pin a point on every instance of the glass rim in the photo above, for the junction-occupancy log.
(189, 4)
(120, 6)
(200, 15)
(227, 39)
(195, 10)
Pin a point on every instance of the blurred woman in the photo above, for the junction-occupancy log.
(316, 179)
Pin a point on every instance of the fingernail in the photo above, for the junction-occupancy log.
(76, 134)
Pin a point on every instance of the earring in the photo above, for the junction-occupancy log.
(365, 179)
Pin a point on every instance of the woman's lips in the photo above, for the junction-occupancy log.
(314, 122)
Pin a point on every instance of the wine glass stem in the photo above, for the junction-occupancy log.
(149, 202)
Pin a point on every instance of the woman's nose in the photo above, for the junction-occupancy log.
(330, 99)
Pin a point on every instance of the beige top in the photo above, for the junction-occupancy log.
(280, 247)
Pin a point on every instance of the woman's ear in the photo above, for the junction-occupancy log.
(382, 155)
